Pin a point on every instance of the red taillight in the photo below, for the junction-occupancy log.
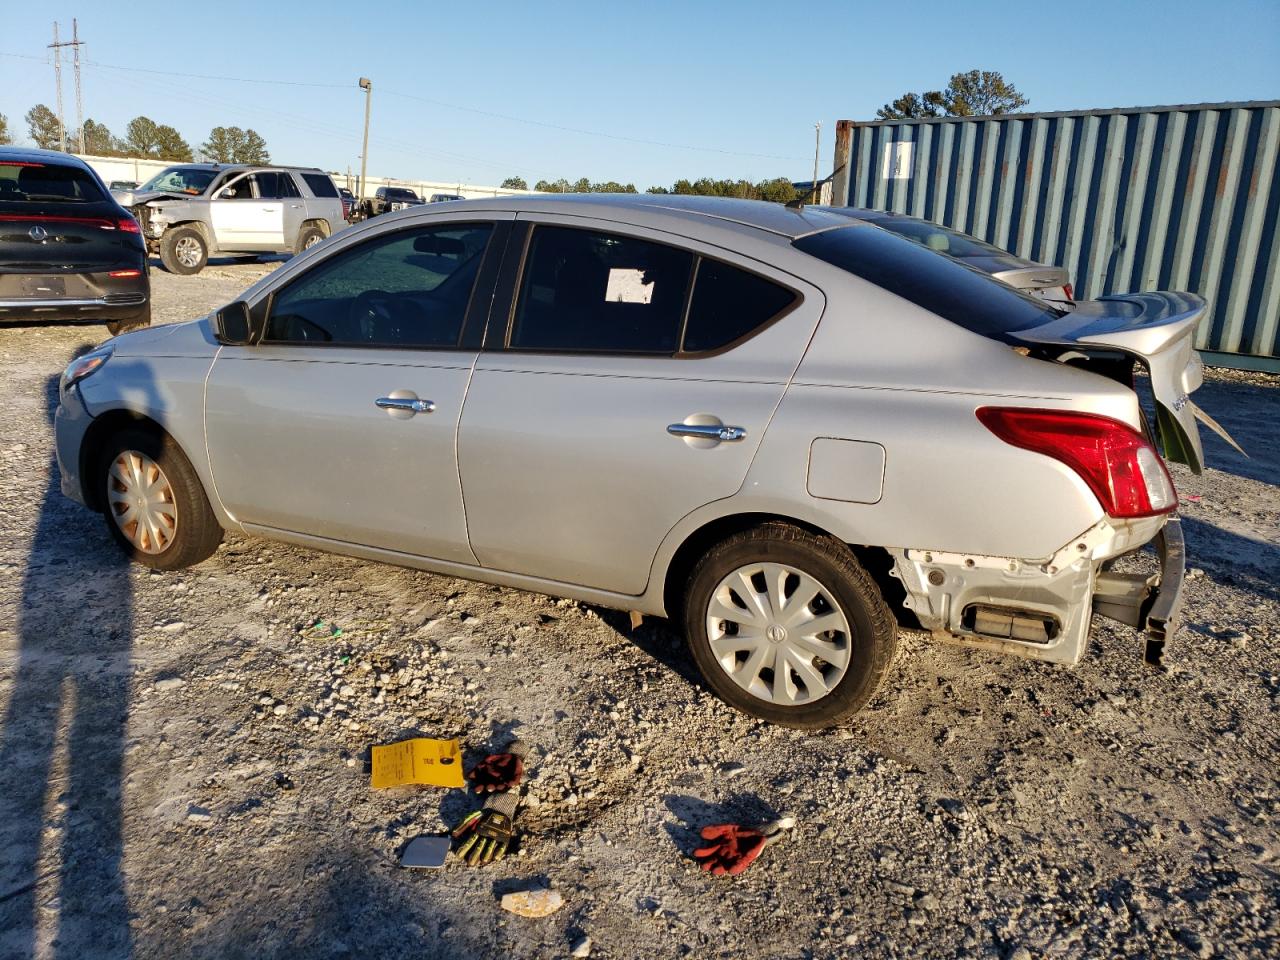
(1066, 288)
(1123, 471)
(123, 274)
(128, 225)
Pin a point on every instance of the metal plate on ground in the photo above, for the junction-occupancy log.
(427, 853)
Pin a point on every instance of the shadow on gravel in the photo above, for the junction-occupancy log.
(1250, 564)
(338, 904)
(656, 638)
(68, 706)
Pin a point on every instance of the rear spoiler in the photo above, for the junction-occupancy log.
(1157, 329)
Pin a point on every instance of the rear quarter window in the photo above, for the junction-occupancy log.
(940, 284)
(729, 304)
(320, 185)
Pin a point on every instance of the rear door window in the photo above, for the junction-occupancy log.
(729, 304)
(268, 185)
(288, 188)
(23, 182)
(590, 292)
(406, 289)
(967, 297)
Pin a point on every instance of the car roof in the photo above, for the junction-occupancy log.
(37, 155)
(245, 166)
(788, 222)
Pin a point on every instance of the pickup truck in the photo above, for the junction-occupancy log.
(388, 200)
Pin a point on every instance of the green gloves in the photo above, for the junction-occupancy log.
(488, 831)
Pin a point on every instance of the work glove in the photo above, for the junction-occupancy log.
(498, 771)
(486, 833)
(733, 848)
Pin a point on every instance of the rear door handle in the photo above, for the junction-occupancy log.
(409, 405)
(707, 431)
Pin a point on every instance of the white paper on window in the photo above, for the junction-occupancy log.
(628, 286)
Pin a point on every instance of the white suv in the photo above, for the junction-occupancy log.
(193, 211)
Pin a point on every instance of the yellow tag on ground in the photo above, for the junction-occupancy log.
(435, 763)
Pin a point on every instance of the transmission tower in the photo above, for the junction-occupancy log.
(57, 46)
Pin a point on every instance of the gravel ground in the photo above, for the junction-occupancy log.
(183, 764)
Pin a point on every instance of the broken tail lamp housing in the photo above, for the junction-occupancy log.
(1121, 468)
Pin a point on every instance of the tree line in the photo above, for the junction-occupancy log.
(143, 137)
(778, 189)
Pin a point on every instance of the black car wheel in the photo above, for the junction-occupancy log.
(786, 625)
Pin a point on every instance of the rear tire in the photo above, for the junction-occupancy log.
(117, 327)
(309, 237)
(154, 503)
(183, 251)
(803, 679)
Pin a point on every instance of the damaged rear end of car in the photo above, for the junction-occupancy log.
(1091, 429)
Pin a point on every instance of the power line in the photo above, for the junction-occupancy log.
(590, 133)
(451, 106)
(209, 76)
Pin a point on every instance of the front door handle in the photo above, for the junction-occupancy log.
(409, 405)
(709, 431)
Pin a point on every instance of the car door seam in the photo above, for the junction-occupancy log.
(204, 424)
(457, 457)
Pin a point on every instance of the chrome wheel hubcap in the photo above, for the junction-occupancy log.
(187, 251)
(311, 242)
(778, 633)
(141, 502)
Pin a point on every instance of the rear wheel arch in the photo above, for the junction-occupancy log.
(310, 228)
(877, 560)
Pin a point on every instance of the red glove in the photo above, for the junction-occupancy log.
(498, 771)
(732, 850)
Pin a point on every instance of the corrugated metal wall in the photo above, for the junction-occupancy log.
(1153, 198)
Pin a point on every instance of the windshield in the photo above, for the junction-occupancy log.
(953, 290)
(22, 182)
(399, 193)
(189, 180)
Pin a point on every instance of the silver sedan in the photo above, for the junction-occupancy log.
(787, 431)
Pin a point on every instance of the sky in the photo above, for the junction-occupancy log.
(640, 93)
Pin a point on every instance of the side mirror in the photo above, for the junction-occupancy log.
(227, 193)
(235, 326)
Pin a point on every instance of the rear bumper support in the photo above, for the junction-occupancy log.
(1165, 612)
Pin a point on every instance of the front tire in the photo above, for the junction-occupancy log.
(154, 503)
(785, 625)
(183, 251)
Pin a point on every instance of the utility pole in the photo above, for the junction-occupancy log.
(56, 47)
(367, 86)
(817, 145)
